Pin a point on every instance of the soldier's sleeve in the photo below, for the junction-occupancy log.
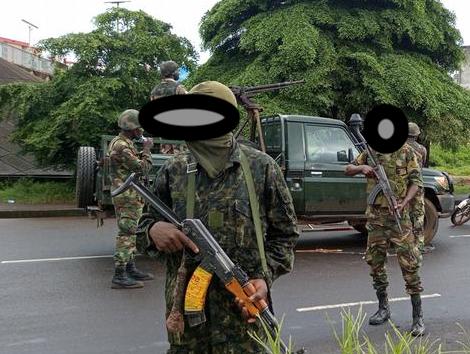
(181, 90)
(281, 233)
(127, 158)
(414, 171)
(144, 244)
(361, 159)
(146, 158)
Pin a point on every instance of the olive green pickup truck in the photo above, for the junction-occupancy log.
(313, 153)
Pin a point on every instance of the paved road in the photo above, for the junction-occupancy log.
(53, 301)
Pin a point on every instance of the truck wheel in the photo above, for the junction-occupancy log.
(431, 221)
(85, 183)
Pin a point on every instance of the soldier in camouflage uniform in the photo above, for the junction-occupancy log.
(417, 204)
(405, 178)
(167, 87)
(125, 159)
(222, 203)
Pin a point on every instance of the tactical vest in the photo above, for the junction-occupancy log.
(165, 88)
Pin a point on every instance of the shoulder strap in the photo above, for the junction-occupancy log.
(191, 189)
(254, 208)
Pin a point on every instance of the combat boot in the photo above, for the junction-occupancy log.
(122, 281)
(417, 329)
(136, 274)
(383, 313)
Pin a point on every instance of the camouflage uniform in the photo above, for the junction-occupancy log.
(402, 170)
(223, 205)
(125, 159)
(168, 87)
(417, 204)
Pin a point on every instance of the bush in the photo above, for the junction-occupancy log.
(457, 163)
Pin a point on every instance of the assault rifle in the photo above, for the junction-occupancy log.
(383, 184)
(244, 95)
(213, 259)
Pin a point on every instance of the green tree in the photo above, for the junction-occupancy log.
(353, 54)
(116, 67)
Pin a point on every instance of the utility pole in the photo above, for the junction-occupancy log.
(117, 3)
(30, 28)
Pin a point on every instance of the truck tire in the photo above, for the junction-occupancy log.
(85, 183)
(431, 221)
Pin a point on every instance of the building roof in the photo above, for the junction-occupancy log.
(14, 42)
(13, 73)
(14, 163)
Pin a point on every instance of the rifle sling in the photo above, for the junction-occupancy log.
(250, 184)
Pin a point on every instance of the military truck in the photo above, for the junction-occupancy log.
(312, 152)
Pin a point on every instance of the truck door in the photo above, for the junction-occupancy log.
(327, 190)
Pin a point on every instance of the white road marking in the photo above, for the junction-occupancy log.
(361, 303)
(330, 251)
(53, 259)
(338, 251)
(460, 236)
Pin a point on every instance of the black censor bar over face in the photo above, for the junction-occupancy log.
(385, 128)
(188, 117)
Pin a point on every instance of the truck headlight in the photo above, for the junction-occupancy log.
(443, 182)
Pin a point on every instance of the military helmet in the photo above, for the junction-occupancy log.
(129, 120)
(413, 129)
(168, 68)
(215, 89)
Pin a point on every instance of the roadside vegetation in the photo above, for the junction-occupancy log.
(456, 163)
(28, 191)
(351, 339)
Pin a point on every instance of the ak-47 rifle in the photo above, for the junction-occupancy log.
(213, 259)
(383, 184)
(244, 95)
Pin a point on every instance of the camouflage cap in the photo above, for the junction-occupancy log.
(215, 89)
(168, 68)
(413, 129)
(129, 120)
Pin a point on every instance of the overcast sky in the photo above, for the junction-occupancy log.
(58, 17)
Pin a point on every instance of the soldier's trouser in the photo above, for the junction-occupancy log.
(417, 218)
(127, 218)
(383, 231)
(224, 332)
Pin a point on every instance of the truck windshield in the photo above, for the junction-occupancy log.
(325, 142)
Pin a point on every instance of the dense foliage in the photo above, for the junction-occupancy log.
(115, 69)
(353, 54)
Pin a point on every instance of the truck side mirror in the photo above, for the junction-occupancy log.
(342, 156)
(350, 155)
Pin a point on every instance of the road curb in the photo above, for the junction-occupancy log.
(15, 214)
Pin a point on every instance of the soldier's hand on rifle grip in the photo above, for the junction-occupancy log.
(258, 292)
(168, 238)
(368, 171)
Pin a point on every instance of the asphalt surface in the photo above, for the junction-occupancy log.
(52, 301)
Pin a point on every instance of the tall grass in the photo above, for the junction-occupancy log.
(353, 340)
(27, 191)
(457, 163)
